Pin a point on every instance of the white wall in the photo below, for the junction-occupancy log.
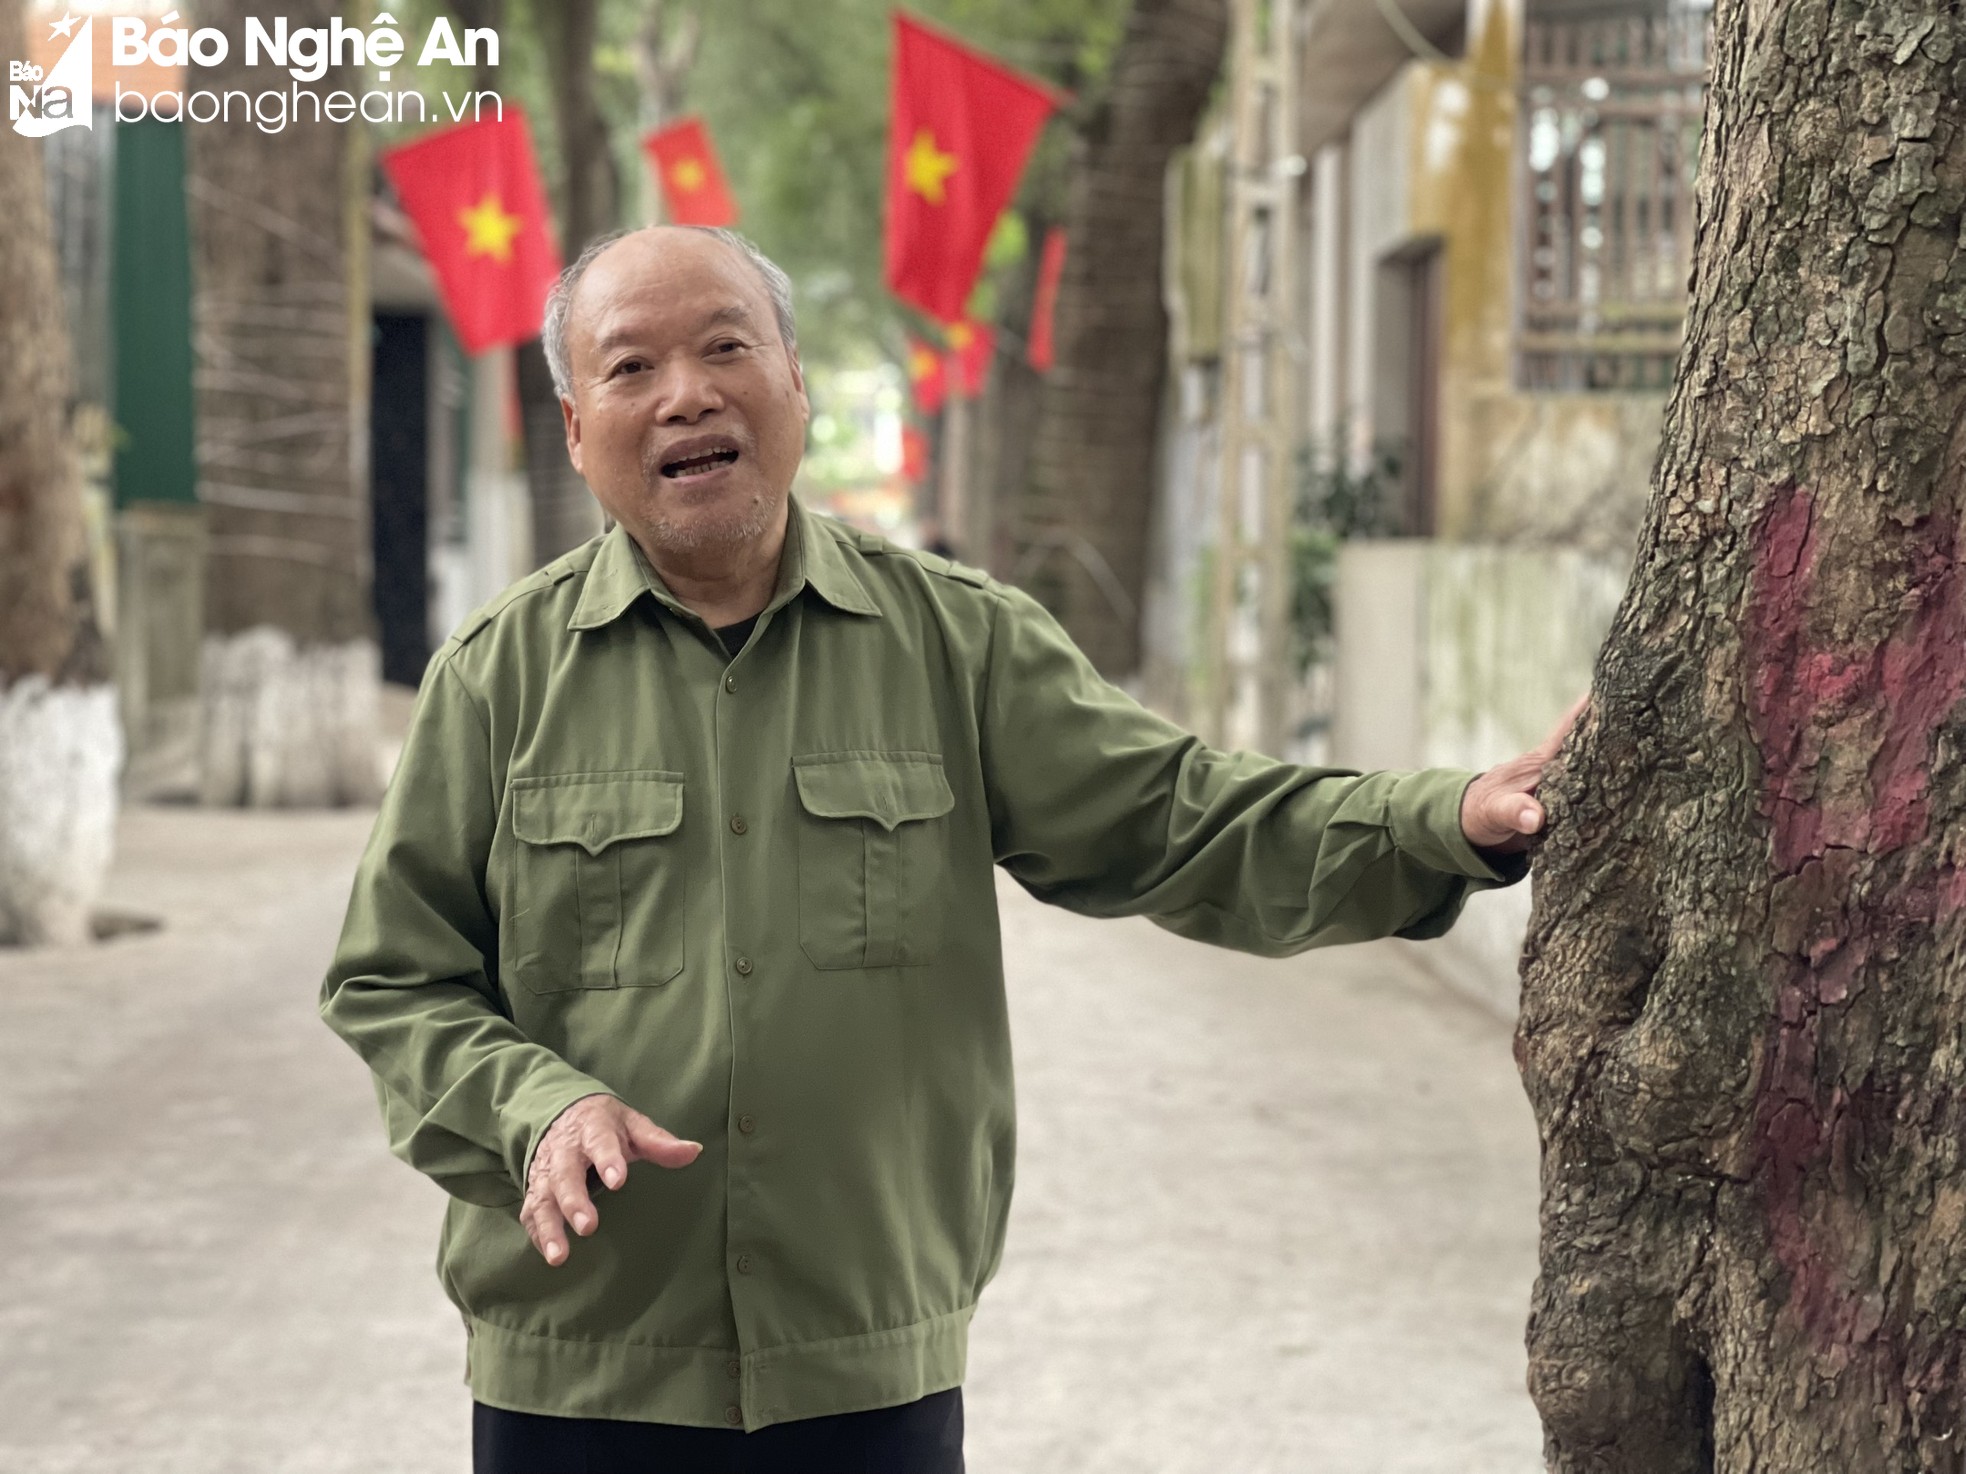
(1462, 655)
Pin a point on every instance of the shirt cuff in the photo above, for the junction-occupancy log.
(544, 1102)
(1426, 821)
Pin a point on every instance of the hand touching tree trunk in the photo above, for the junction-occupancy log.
(1743, 989)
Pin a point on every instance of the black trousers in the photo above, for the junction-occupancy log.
(924, 1437)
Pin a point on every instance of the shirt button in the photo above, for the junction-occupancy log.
(737, 824)
(734, 1416)
(734, 1369)
(730, 683)
(743, 1263)
(747, 1124)
(744, 966)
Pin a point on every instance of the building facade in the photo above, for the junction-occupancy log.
(1477, 241)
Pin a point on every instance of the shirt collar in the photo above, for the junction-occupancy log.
(619, 575)
(825, 565)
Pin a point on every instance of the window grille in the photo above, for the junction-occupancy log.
(1612, 97)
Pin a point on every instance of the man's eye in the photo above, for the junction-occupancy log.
(727, 345)
(629, 366)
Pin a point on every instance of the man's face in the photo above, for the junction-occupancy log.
(689, 412)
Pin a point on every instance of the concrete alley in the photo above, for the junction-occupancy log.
(1270, 1216)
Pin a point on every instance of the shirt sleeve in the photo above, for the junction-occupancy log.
(1102, 807)
(465, 1095)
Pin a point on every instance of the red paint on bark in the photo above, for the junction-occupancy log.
(1805, 701)
(1798, 692)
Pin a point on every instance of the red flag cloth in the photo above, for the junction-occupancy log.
(960, 131)
(693, 184)
(971, 345)
(927, 376)
(481, 215)
(1044, 302)
(914, 455)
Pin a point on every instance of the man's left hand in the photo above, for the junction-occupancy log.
(1499, 811)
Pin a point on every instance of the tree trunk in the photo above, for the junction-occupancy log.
(1006, 421)
(60, 744)
(1743, 983)
(665, 50)
(1084, 526)
(564, 512)
(280, 316)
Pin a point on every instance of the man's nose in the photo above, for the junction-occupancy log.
(687, 393)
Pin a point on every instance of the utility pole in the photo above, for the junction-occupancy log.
(1250, 678)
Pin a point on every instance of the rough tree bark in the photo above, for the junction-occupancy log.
(1743, 988)
(1083, 524)
(60, 744)
(564, 512)
(291, 669)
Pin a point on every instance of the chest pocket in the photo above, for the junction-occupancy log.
(871, 854)
(600, 879)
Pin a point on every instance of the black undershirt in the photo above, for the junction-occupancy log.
(737, 636)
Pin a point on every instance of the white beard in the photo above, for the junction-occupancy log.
(734, 527)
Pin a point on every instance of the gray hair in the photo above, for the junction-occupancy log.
(778, 286)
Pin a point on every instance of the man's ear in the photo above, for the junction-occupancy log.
(570, 417)
(799, 383)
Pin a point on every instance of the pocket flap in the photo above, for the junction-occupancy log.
(889, 788)
(594, 810)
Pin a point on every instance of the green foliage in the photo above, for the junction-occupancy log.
(521, 76)
(1337, 498)
(796, 97)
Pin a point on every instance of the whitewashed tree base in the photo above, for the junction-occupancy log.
(289, 727)
(60, 748)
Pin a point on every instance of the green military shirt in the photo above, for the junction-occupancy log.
(753, 898)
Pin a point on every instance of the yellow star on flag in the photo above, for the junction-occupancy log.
(688, 175)
(921, 363)
(927, 167)
(489, 230)
(960, 335)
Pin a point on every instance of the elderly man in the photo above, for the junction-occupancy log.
(688, 862)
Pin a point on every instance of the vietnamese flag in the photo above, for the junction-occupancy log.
(961, 128)
(928, 376)
(971, 345)
(480, 213)
(1044, 302)
(692, 180)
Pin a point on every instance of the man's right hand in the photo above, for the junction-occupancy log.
(598, 1132)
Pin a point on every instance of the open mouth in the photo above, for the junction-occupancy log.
(698, 465)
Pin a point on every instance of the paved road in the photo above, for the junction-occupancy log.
(1270, 1216)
